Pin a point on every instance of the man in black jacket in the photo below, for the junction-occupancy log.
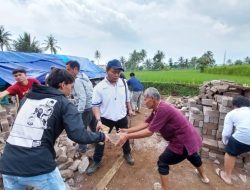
(29, 155)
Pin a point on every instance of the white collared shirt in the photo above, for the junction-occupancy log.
(239, 119)
(111, 99)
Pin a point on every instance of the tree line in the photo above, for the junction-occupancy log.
(25, 43)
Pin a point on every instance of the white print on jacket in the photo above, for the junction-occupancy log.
(30, 123)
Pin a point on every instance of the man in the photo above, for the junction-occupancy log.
(137, 90)
(109, 107)
(28, 157)
(82, 93)
(184, 141)
(235, 135)
(22, 85)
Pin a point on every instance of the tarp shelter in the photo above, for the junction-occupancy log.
(38, 65)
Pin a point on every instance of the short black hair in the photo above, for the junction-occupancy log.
(122, 76)
(73, 64)
(132, 74)
(241, 101)
(58, 76)
(18, 70)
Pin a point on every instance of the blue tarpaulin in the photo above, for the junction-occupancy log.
(38, 65)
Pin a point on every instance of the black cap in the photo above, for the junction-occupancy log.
(115, 64)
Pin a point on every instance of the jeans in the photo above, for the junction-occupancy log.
(49, 181)
(99, 148)
(88, 120)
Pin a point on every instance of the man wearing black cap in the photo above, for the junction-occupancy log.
(110, 103)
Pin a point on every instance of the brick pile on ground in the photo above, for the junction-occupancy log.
(207, 112)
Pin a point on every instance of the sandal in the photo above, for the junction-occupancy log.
(204, 180)
(218, 172)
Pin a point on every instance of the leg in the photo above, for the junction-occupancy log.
(123, 123)
(229, 162)
(133, 100)
(11, 182)
(99, 149)
(165, 159)
(49, 181)
(86, 118)
(164, 182)
(139, 102)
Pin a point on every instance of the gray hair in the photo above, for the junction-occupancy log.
(152, 92)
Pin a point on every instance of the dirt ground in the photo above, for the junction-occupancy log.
(144, 173)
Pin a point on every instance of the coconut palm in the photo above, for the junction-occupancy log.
(4, 38)
(50, 44)
(26, 44)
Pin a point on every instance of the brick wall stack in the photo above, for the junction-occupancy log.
(207, 112)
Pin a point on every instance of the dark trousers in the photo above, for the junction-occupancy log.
(99, 149)
(88, 119)
(168, 157)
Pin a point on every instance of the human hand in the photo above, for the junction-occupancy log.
(99, 126)
(107, 139)
(123, 138)
(131, 113)
(123, 130)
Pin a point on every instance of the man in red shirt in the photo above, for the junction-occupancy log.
(22, 85)
(184, 141)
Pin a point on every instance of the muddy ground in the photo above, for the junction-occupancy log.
(144, 173)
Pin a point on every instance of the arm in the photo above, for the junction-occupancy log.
(3, 94)
(97, 114)
(81, 94)
(135, 135)
(138, 127)
(228, 128)
(73, 125)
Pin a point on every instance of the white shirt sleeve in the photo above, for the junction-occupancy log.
(97, 98)
(228, 128)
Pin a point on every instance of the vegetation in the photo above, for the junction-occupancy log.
(4, 38)
(239, 70)
(173, 89)
(50, 44)
(190, 77)
(26, 44)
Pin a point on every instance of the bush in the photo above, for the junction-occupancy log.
(173, 89)
(240, 70)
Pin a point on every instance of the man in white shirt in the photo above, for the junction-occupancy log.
(235, 135)
(110, 103)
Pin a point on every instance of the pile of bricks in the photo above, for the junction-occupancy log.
(7, 115)
(207, 112)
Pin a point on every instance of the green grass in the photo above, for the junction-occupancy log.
(240, 70)
(192, 77)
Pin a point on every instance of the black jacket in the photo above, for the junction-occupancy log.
(44, 113)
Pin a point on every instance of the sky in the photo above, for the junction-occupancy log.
(117, 27)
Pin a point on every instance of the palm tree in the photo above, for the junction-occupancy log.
(50, 43)
(97, 56)
(26, 44)
(4, 38)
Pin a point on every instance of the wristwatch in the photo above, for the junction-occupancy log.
(99, 120)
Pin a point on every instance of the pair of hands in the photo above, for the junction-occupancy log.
(122, 134)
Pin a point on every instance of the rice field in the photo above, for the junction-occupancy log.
(193, 77)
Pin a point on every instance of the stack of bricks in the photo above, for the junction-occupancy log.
(7, 115)
(207, 112)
